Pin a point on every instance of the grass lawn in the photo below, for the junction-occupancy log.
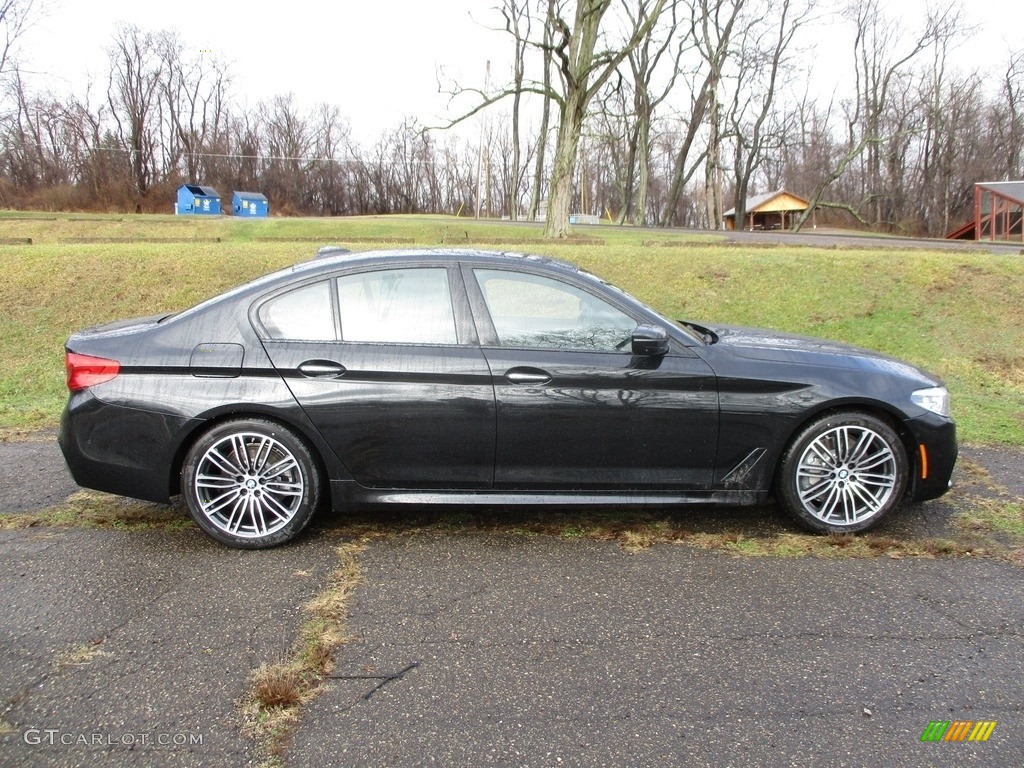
(960, 315)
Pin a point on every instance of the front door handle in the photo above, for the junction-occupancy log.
(526, 375)
(321, 369)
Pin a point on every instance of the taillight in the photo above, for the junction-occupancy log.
(88, 371)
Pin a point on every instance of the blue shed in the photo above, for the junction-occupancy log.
(250, 204)
(194, 199)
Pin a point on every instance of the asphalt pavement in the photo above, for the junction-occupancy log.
(127, 648)
(539, 652)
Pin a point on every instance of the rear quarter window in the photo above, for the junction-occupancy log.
(304, 314)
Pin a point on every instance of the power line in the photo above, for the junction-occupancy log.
(304, 159)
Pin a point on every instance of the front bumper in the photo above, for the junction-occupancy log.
(934, 455)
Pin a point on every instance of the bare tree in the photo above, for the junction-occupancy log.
(517, 24)
(585, 53)
(1012, 95)
(583, 69)
(333, 146)
(15, 18)
(136, 72)
(880, 55)
(762, 59)
(713, 23)
(662, 46)
(287, 140)
(546, 48)
(194, 94)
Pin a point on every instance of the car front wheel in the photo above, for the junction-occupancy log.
(843, 473)
(250, 483)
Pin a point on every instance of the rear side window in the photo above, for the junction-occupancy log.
(304, 314)
(404, 306)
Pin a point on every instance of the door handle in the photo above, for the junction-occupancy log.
(527, 375)
(321, 369)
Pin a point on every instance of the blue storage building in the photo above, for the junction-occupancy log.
(250, 204)
(194, 199)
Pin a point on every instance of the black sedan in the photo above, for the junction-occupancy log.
(486, 378)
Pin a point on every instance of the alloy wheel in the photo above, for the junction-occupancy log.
(846, 475)
(249, 485)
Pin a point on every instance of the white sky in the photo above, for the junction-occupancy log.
(376, 60)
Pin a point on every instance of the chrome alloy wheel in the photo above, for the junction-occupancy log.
(249, 485)
(846, 475)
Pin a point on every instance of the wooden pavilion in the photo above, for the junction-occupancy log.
(773, 210)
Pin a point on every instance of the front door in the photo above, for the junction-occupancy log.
(578, 410)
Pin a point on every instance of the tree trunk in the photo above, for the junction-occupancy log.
(560, 193)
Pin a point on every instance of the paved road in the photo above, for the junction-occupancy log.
(116, 642)
(33, 474)
(830, 238)
(537, 652)
(517, 650)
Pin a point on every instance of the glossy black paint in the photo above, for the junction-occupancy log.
(682, 414)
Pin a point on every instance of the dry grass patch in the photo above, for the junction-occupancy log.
(278, 686)
(279, 690)
(636, 531)
(83, 654)
(92, 509)
(988, 514)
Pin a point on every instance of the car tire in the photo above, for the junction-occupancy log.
(843, 473)
(250, 483)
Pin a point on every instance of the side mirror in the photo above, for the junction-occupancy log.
(649, 340)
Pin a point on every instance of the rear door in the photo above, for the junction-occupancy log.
(385, 362)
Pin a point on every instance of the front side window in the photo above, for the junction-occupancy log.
(534, 311)
(304, 314)
(406, 306)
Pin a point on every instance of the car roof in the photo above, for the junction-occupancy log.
(328, 260)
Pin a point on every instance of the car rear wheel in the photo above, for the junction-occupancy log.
(250, 483)
(843, 473)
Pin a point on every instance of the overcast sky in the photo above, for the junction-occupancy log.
(376, 60)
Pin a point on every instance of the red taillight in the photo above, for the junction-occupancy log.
(87, 371)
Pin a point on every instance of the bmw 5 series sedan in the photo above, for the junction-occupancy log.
(465, 377)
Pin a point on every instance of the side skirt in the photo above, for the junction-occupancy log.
(346, 493)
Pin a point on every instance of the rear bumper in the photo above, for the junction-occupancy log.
(935, 455)
(119, 450)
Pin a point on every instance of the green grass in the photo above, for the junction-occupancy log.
(960, 315)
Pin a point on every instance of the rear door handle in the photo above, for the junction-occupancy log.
(321, 369)
(526, 375)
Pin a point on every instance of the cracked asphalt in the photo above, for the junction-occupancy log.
(126, 648)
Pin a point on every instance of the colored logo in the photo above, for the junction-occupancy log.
(958, 730)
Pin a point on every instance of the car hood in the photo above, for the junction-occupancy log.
(768, 345)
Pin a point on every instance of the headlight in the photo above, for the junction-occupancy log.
(934, 399)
